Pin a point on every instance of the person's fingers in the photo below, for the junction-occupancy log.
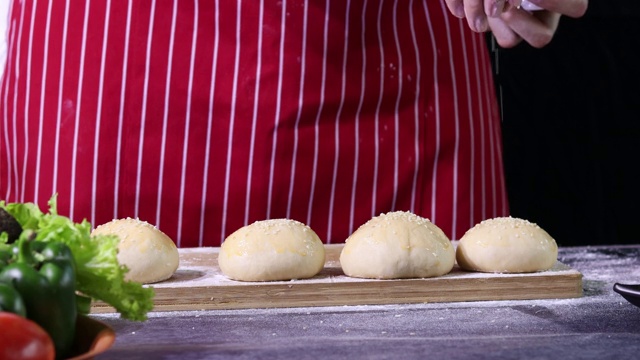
(505, 37)
(456, 7)
(475, 13)
(535, 28)
(571, 8)
(472, 10)
(494, 8)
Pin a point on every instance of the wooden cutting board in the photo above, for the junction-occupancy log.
(198, 284)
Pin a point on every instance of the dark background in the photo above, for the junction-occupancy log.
(571, 126)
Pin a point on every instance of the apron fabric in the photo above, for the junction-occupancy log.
(203, 116)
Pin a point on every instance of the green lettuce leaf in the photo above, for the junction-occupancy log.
(99, 275)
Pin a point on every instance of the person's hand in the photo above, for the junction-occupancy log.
(511, 24)
(537, 28)
(477, 11)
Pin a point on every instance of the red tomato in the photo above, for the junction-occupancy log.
(23, 339)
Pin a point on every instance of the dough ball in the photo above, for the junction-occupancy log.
(150, 255)
(269, 250)
(506, 245)
(397, 245)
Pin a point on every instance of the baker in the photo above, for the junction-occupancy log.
(201, 117)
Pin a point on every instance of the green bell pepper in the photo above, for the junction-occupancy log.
(11, 301)
(44, 275)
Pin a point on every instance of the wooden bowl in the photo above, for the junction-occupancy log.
(92, 338)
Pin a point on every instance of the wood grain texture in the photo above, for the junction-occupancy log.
(198, 284)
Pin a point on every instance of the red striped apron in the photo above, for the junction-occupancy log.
(202, 116)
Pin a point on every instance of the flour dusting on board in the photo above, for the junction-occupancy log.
(198, 268)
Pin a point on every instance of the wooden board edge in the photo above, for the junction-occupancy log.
(385, 292)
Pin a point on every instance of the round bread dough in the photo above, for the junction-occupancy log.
(270, 250)
(150, 255)
(397, 245)
(506, 245)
